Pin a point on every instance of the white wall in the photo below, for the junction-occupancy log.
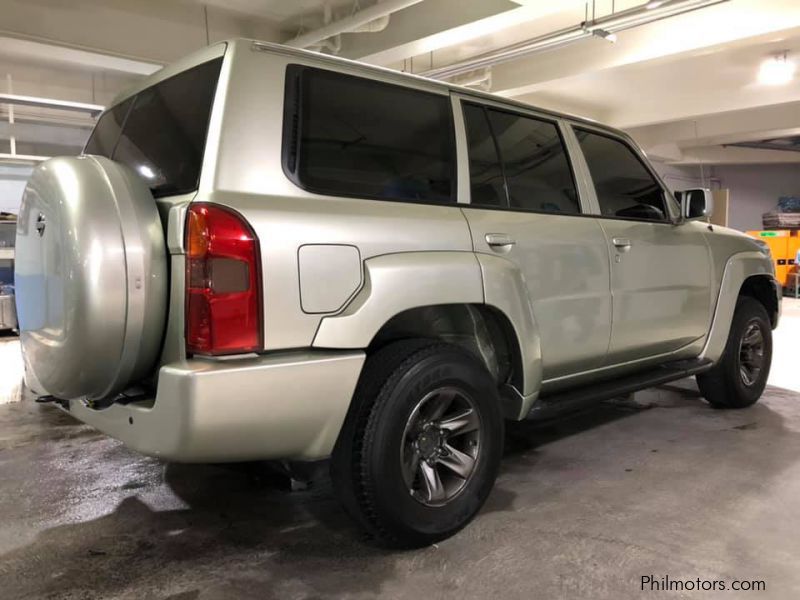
(152, 30)
(683, 178)
(12, 184)
(755, 189)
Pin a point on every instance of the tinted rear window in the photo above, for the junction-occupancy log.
(349, 136)
(106, 133)
(161, 134)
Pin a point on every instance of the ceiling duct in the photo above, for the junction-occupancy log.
(608, 25)
(373, 18)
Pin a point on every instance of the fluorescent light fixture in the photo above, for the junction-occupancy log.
(605, 35)
(777, 70)
(654, 4)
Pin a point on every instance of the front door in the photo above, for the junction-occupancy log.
(660, 271)
(525, 207)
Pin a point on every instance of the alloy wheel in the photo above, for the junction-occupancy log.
(441, 446)
(751, 353)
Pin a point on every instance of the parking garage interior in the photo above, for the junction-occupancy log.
(614, 500)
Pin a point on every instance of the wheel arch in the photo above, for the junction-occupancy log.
(761, 288)
(483, 306)
(483, 330)
(745, 274)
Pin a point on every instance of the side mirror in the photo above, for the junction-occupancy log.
(697, 204)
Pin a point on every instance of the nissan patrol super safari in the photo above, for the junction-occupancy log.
(266, 253)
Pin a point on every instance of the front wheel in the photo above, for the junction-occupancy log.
(739, 378)
(420, 453)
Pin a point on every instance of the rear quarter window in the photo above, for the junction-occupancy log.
(161, 132)
(351, 136)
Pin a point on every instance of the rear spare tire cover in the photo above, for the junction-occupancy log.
(91, 277)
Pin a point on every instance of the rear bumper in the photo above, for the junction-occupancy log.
(287, 406)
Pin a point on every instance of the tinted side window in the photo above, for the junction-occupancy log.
(487, 183)
(106, 133)
(518, 162)
(165, 134)
(625, 188)
(538, 174)
(349, 136)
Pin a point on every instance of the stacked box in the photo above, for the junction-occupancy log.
(785, 215)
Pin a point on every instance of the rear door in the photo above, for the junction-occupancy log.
(524, 205)
(660, 271)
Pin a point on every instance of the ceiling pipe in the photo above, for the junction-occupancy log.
(16, 100)
(21, 158)
(355, 22)
(481, 80)
(375, 26)
(333, 44)
(610, 24)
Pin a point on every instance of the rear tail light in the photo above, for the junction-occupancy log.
(223, 283)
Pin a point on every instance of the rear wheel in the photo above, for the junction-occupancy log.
(739, 379)
(420, 451)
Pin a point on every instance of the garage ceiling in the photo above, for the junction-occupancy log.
(685, 86)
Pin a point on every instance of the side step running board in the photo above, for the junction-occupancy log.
(575, 399)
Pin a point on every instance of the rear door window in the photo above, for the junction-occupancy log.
(351, 136)
(162, 134)
(519, 162)
(538, 174)
(487, 183)
(625, 187)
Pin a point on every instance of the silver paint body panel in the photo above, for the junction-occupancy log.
(577, 315)
(398, 282)
(284, 405)
(661, 288)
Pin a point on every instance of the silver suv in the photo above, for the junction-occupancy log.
(266, 253)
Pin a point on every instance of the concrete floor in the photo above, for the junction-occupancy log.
(584, 507)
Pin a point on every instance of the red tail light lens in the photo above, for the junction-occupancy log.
(223, 290)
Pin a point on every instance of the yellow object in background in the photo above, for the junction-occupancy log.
(784, 244)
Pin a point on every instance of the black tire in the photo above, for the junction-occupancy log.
(366, 466)
(724, 386)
